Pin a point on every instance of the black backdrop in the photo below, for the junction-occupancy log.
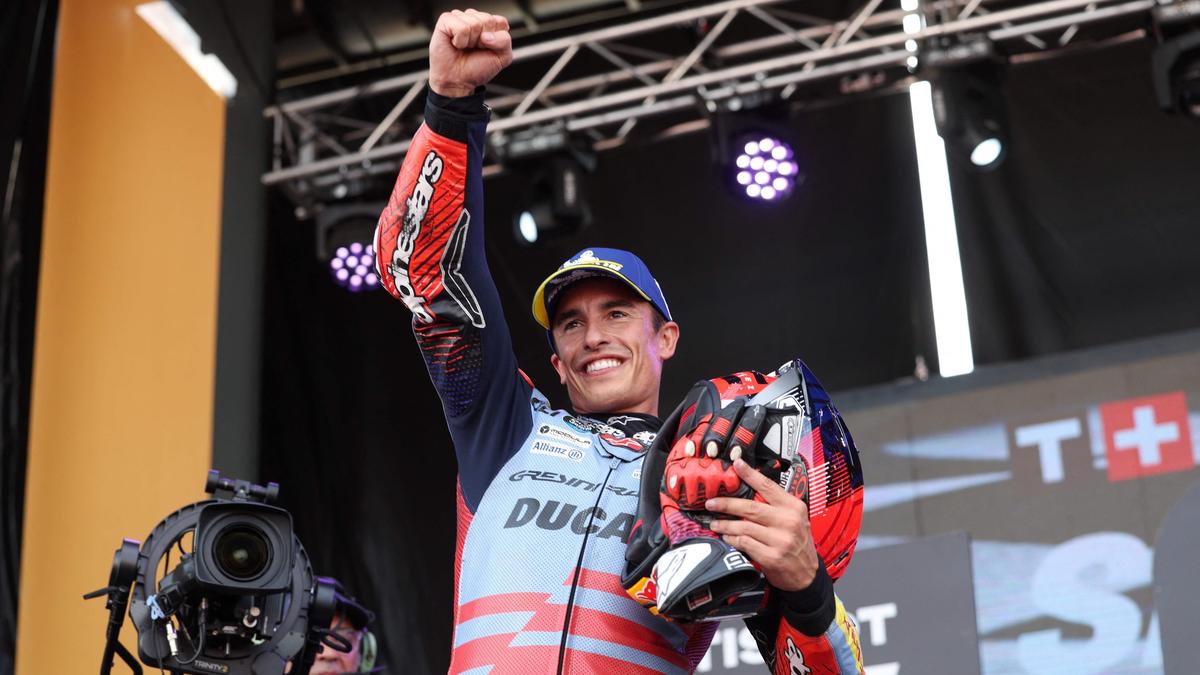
(1086, 236)
(27, 31)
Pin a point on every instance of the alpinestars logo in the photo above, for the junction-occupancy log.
(795, 660)
(416, 206)
(645, 437)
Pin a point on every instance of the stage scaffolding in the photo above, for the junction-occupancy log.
(321, 146)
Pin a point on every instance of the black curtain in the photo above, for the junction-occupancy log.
(353, 433)
(1087, 234)
(27, 32)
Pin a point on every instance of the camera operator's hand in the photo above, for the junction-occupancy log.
(467, 50)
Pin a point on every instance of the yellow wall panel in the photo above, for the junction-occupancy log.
(121, 413)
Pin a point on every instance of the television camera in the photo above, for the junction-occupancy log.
(241, 598)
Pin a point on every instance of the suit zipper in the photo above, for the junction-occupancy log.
(587, 531)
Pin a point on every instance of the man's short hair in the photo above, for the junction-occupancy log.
(657, 320)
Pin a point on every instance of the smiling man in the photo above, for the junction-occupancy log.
(548, 498)
(611, 331)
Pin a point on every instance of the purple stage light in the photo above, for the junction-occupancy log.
(353, 267)
(765, 168)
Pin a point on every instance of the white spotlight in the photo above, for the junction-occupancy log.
(527, 227)
(987, 152)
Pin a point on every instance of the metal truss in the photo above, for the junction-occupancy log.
(324, 143)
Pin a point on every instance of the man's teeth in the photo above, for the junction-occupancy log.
(602, 364)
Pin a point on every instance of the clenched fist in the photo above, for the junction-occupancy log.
(467, 50)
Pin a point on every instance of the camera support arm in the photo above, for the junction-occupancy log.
(120, 582)
(319, 618)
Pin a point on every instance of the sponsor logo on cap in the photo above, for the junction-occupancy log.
(589, 258)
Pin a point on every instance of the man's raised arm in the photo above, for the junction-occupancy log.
(430, 252)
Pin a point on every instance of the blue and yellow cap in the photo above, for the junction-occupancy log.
(598, 262)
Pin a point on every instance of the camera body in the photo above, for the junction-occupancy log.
(242, 601)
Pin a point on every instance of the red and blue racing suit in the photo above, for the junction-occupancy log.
(546, 499)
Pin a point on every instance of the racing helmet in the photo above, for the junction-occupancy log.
(802, 426)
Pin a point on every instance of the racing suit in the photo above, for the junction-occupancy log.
(546, 499)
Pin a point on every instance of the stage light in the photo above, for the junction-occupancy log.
(555, 203)
(1176, 66)
(765, 168)
(970, 113)
(344, 235)
(1175, 61)
(987, 152)
(527, 227)
(952, 330)
(353, 267)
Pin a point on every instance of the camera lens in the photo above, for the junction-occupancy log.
(242, 552)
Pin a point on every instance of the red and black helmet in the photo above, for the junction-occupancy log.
(801, 426)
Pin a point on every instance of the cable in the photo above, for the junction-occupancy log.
(203, 629)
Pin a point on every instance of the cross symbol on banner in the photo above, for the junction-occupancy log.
(1146, 436)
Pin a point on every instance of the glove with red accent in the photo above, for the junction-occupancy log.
(700, 463)
(676, 565)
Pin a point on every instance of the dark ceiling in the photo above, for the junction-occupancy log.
(319, 41)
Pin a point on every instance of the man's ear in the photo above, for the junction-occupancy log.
(559, 367)
(668, 339)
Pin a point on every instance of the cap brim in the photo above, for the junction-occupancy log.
(541, 313)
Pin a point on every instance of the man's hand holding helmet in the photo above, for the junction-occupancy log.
(772, 529)
(729, 475)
